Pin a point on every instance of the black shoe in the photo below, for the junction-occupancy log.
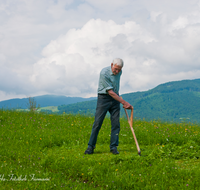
(89, 151)
(114, 151)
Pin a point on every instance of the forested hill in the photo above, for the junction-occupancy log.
(42, 101)
(172, 101)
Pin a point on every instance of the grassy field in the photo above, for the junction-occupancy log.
(52, 108)
(39, 151)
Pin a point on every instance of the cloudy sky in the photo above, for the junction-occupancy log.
(60, 46)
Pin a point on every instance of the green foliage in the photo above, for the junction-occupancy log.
(46, 151)
(87, 107)
(32, 105)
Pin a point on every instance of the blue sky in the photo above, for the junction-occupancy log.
(60, 46)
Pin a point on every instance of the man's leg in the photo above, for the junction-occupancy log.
(114, 116)
(103, 104)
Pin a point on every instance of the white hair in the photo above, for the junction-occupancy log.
(118, 61)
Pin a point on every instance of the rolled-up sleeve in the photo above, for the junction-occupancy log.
(106, 83)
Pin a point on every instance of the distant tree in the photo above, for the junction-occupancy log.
(32, 105)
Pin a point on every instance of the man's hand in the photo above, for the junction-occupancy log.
(126, 105)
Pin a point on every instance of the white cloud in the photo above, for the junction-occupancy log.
(93, 47)
(60, 46)
(72, 62)
(6, 95)
(154, 15)
(110, 5)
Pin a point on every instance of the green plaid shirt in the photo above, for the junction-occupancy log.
(108, 81)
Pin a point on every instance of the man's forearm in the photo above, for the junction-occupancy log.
(126, 105)
(115, 96)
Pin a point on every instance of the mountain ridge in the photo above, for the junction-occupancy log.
(169, 101)
(42, 101)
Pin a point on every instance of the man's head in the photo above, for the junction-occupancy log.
(117, 65)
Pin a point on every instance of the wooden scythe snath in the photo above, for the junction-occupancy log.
(130, 121)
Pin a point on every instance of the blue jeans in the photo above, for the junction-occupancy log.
(106, 103)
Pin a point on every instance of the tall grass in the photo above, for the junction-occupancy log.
(41, 151)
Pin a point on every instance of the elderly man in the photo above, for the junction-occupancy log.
(108, 100)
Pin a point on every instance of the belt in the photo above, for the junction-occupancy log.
(104, 94)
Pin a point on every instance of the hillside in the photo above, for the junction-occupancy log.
(42, 101)
(172, 101)
(46, 152)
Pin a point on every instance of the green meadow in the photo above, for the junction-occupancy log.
(46, 151)
(51, 108)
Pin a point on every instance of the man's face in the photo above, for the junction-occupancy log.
(115, 69)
